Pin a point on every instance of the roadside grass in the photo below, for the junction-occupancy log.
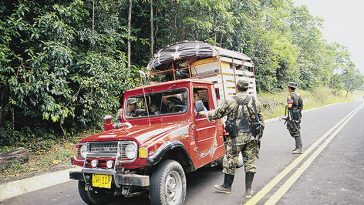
(54, 154)
(273, 104)
(44, 157)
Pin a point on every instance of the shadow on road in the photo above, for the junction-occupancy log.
(194, 181)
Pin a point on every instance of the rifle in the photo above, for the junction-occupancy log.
(257, 127)
(288, 118)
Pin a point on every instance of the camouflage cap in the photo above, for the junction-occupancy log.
(292, 84)
(243, 84)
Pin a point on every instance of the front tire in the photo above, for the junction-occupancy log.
(95, 196)
(168, 184)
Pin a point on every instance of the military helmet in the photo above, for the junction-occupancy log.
(242, 85)
(292, 84)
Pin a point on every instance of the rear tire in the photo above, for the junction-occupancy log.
(96, 196)
(168, 184)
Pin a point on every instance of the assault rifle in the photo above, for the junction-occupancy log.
(287, 115)
(288, 118)
(257, 126)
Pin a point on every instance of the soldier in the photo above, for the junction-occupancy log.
(294, 106)
(243, 141)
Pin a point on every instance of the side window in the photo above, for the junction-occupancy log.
(201, 94)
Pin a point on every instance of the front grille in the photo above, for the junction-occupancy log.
(104, 147)
(109, 150)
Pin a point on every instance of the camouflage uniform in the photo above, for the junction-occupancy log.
(245, 142)
(294, 124)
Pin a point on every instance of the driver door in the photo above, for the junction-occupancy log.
(208, 135)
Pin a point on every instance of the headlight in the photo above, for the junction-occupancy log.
(83, 150)
(130, 151)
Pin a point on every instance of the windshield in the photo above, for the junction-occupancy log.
(159, 103)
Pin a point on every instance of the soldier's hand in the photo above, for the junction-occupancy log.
(202, 114)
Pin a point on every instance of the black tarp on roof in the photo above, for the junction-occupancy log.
(191, 49)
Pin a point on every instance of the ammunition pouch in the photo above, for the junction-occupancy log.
(296, 114)
(231, 128)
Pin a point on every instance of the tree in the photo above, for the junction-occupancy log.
(129, 33)
(63, 64)
(151, 29)
(352, 79)
(50, 77)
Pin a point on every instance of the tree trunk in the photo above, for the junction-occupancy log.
(19, 155)
(129, 33)
(151, 29)
(93, 25)
(175, 28)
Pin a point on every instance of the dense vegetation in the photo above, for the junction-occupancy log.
(63, 63)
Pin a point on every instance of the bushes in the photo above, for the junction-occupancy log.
(273, 105)
(56, 74)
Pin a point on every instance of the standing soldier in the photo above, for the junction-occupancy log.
(294, 107)
(241, 112)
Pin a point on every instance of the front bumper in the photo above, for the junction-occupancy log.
(119, 179)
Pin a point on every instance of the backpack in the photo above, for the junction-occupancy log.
(244, 125)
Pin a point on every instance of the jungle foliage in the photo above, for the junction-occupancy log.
(63, 63)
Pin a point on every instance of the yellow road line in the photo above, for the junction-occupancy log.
(285, 187)
(267, 188)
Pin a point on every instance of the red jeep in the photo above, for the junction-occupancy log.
(152, 152)
(161, 136)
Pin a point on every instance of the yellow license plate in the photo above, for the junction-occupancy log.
(101, 181)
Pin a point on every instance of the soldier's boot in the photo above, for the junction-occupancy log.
(226, 186)
(297, 151)
(298, 143)
(249, 176)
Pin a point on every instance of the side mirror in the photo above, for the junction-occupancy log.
(199, 106)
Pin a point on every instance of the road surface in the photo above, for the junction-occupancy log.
(330, 171)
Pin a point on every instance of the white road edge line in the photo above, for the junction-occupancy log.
(292, 179)
(267, 188)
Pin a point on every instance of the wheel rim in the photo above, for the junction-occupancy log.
(173, 188)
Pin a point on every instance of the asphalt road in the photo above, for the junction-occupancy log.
(335, 176)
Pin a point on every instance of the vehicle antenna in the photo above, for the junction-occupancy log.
(142, 74)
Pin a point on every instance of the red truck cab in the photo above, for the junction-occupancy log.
(161, 129)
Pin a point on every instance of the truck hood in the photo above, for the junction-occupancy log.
(142, 133)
